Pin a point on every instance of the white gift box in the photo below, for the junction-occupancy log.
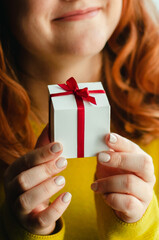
(64, 124)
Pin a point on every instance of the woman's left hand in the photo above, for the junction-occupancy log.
(125, 178)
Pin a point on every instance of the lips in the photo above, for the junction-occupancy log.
(79, 14)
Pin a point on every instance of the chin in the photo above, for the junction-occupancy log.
(84, 46)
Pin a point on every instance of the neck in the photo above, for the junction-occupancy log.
(43, 73)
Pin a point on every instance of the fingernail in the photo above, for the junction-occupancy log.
(94, 186)
(103, 157)
(61, 162)
(67, 197)
(112, 138)
(59, 180)
(57, 147)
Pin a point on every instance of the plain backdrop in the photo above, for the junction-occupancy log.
(156, 2)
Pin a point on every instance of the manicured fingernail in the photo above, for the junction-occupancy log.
(59, 180)
(94, 186)
(67, 197)
(57, 147)
(61, 162)
(112, 138)
(103, 157)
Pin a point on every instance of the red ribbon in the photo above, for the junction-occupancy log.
(71, 87)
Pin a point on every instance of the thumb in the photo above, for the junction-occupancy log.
(43, 138)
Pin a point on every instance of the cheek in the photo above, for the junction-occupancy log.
(113, 14)
(19, 8)
(29, 19)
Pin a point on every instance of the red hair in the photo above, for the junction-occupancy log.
(131, 77)
(132, 73)
(16, 135)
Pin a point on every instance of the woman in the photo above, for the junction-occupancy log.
(46, 42)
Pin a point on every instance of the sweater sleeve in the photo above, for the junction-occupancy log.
(11, 230)
(111, 228)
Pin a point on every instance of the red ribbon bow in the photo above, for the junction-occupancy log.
(71, 87)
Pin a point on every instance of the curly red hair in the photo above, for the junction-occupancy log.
(130, 77)
(132, 73)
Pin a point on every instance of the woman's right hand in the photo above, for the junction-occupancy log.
(30, 182)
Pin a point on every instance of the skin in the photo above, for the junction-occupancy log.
(50, 52)
(29, 183)
(126, 181)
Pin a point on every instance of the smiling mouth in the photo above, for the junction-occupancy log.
(79, 15)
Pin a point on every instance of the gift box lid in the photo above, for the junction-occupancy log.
(69, 101)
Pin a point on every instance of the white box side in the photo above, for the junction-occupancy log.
(66, 131)
(97, 125)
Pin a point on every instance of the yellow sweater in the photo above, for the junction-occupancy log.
(88, 217)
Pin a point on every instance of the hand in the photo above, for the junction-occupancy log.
(125, 178)
(29, 184)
